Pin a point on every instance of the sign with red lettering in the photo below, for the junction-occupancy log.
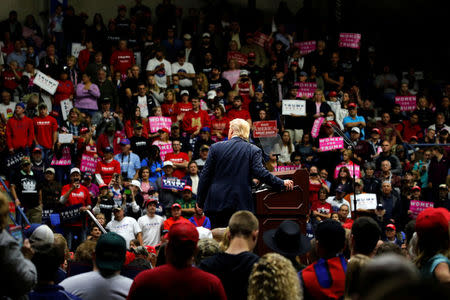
(265, 129)
(238, 56)
(157, 123)
(306, 47)
(306, 85)
(262, 39)
(349, 40)
(332, 143)
(407, 103)
(164, 149)
(350, 168)
(417, 206)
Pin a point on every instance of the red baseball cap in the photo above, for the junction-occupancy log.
(183, 231)
(102, 186)
(391, 226)
(175, 205)
(187, 188)
(252, 54)
(332, 94)
(352, 105)
(165, 130)
(432, 221)
(416, 187)
(376, 130)
(413, 138)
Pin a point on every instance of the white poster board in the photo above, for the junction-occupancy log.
(46, 99)
(45, 82)
(76, 49)
(66, 106)
(296, 107)
(364, 201)
(65, 138)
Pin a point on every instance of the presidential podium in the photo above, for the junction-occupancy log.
(272, 207)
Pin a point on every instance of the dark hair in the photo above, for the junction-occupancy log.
(331, 237)
(179, 253)
(366, 234)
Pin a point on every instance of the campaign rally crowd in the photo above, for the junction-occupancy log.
(116, 119)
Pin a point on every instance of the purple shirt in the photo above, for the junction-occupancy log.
(87, 99)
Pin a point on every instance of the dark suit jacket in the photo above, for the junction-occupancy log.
(225, 182)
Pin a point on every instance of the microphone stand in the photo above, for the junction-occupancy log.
(350, 144)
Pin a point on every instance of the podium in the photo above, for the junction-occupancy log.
(272, 207)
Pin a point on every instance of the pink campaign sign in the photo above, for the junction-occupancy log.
(349, 40)
(316, 127)
(285, 168)
(164, 149)
(416, 207)
(305, 93)
(157, 123)
(306, 85)
(407, 103)
(306, 47)
(88, 163)
(265, 129)
(333, 143)
(350, 168)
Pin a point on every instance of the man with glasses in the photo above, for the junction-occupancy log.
(386, 154)
(179, 159)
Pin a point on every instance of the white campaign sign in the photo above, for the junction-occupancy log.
(66, 106)
(65, 138)
(364, 201)
(45, 82)
(76, 49)
(296, 107)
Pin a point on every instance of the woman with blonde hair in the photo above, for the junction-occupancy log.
(354, 267)
(274, 277)
(321, 106)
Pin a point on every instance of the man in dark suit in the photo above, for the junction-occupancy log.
(225, 182)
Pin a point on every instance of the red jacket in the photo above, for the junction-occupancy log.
(195, 120)
(103, 142)
(83, 59)
(19, 132)
(64, 90)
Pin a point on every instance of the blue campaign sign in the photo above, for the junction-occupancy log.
(169, 183)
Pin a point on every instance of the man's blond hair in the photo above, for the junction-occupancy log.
(240, 128)
(243, 223)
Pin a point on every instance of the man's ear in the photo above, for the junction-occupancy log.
(255, 235)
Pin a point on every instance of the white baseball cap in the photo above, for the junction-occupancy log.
(136, 183)
(73, 170)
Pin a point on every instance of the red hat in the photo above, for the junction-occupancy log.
(391, 226)
(151, 249)
(165, 130)
(352, 105)
(413, 138)
(376, 130)
(432, 221)
(187, 188)
(176, 205)
(252, 54)
(416, 187)
(332, 94)
(102, 186)
(129, 257)
(84, 130)
(183, 231)
(37, 149)
(150, 200)
(328, 124)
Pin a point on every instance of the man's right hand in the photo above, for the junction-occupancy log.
(288, 184)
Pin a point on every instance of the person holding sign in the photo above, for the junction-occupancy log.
(225, 182)
(167, 196)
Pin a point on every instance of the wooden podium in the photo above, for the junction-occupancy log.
(272, 208)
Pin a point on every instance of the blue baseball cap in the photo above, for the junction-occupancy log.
(108, 150)
(124, 141)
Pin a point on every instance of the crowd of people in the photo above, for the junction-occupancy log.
(139, 101)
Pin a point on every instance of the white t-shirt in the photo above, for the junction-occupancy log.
(142, 104)
(151, 229)
(4, 109)
(337, 204)
(128, 228)
(92, 285)
(160, 76)
(187, 68)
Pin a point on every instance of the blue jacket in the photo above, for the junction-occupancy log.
(225, 181)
